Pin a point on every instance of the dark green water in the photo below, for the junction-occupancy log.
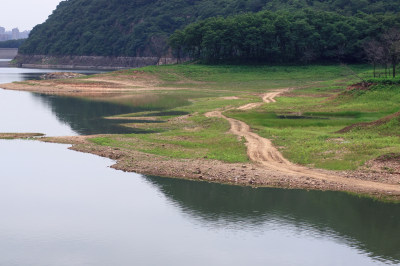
(85, 116)
(60, 207)
(368, 225)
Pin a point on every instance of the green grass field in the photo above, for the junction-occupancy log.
(309, 136)
(302, 124)
(250, 78)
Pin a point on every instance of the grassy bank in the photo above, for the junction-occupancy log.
(303, 123)
(305, 126)
(237, 78)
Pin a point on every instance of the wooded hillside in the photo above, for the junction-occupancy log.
(278, 37)
(142, 27)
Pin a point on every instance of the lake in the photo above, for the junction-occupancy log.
(61, 207)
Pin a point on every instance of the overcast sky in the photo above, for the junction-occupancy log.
(25, 14)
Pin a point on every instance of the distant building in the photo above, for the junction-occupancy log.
(3, 36)
(15, 34)
(24, 34)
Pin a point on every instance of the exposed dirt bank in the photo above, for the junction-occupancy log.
(379, 122)
(61, 75)
(88, 62)
(92, 85)
(249, 174)
(19, 135)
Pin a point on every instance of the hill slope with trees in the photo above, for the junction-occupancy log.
(138, 28)
(280, 37)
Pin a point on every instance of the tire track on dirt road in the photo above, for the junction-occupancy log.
(262, 151)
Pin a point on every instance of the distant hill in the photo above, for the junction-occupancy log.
(139, 28)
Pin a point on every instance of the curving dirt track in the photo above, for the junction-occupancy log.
(249, 106)
(262, 151)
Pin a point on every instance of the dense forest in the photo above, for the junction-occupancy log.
(282, 36)
(142, 27)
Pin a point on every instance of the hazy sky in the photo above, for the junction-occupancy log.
(25, 14)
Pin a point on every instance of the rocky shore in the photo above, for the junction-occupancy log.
(61, 75)
(88, 62)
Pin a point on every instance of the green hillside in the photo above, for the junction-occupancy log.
(142, 27)
(281, 36)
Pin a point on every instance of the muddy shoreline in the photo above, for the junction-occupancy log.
(261, 172)
(20, 135)
(249, 174)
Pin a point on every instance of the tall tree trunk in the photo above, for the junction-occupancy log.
(178, 57)
(394, 65)
(374, 70)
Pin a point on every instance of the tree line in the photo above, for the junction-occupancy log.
(12, 43)
(384, 51)
(142, 27)
(281, 37)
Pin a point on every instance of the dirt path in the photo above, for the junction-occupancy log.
(249, 106)
(262, 151)
(268, 97)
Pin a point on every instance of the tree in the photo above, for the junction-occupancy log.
(176, 43)
(375, 53)
(391, 42)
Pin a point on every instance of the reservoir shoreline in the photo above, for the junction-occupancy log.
(88, 62)
(242, 174)
(245, 174)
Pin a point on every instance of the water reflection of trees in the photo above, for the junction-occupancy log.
(85, 116)
(371, 226)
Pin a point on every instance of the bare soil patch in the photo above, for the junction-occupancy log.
(360, 86)
(249, 174)
(20, 135)
(97, 84)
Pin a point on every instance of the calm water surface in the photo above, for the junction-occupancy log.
(55, 116)
(60, 207)
(61, 116)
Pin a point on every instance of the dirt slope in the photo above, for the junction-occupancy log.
(370, 124)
